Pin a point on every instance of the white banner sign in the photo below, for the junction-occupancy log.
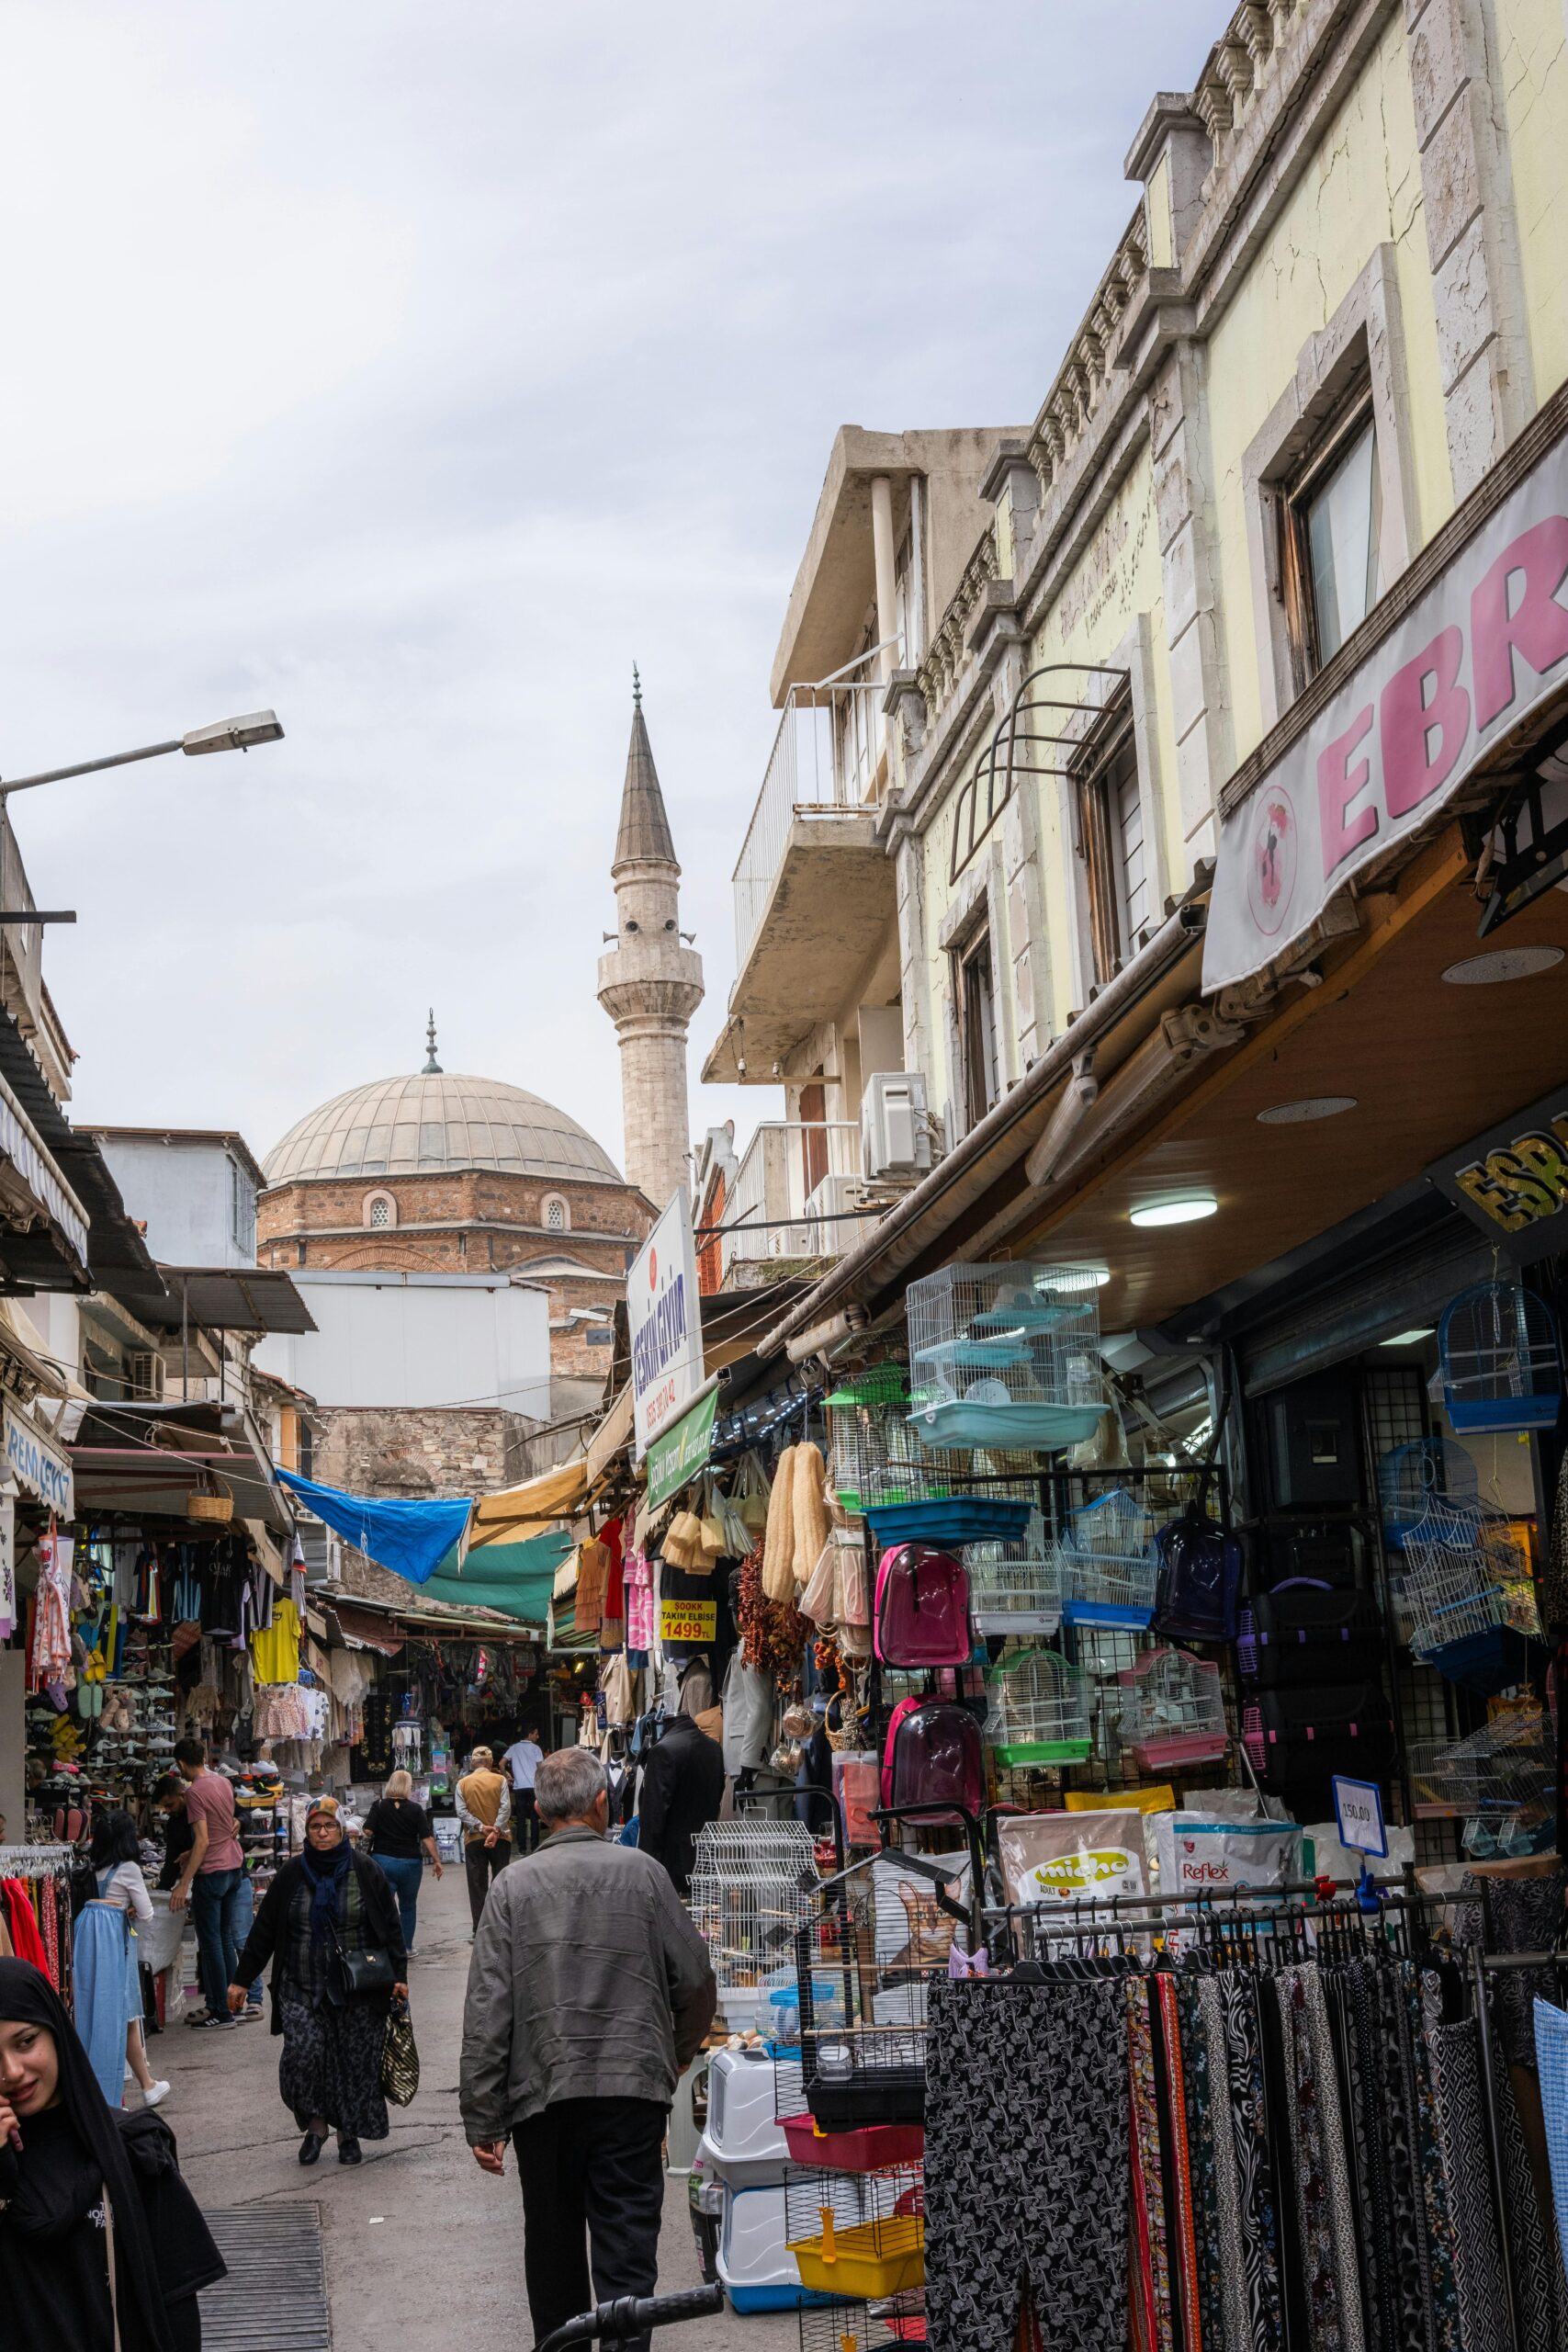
(39, 1465)
(1485, 643)
(665, 1321)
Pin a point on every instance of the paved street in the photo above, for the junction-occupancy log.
(422, 2251)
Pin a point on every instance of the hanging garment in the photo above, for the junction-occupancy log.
(1326, 2220)
(26, 1943)
(1254, 2169)
(1026, 2176)
(274, 1654)
(1234, 2333)
(1152, 2309)
(1515, 1914)
(1534, 2252)
(1551, 2054)
(102, 2010)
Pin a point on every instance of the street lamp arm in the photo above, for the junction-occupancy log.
(228, 735)
(87, 767)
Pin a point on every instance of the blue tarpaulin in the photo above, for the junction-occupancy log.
(411, 1539)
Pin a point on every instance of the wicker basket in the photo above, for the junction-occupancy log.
(206, 1504)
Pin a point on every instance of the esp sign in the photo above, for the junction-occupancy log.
(1513, 1181)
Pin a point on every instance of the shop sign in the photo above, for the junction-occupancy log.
(1513, 1181)
(674, 1459)
(688, 1624)
(1479, 648)
(1359, 1806)
(38, 1464)
(665, 1319)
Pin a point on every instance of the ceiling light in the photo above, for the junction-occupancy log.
(1099, 1274)
(1502, 963)
(1408, 1338)
(1297, 1115)
(1187, 1210)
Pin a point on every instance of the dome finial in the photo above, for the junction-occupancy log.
(637, 688)
(431, 1067)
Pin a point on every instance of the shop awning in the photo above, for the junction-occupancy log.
(363, 1629)
(231, 1298)
(409, 1539)
(560, 1493)
(515, 1577)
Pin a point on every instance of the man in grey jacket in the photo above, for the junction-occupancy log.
(590, 1992)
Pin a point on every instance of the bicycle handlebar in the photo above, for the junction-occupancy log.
(631, 2315)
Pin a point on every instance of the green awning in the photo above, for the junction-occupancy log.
(515, 1578)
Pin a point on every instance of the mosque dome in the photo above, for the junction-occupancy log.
(433, 1122)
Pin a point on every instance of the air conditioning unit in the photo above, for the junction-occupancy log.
(896, 1131)
(829, 1206)
(146, 1369)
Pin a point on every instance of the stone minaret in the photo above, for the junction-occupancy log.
(650, 983)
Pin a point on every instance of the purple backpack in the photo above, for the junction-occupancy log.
(934, 1758)
(1198, 1577)
(921, 1618)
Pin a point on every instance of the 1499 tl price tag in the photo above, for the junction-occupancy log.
(687, 1622)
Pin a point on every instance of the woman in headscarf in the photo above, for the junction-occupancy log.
(326, 1901)
(101, 2242)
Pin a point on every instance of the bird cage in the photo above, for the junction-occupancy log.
(1006, 1355)
(1110, 1562)
(1466, 1601)
(1506, 1766)
(1497, 1348)
(1173, 1711)
(858, 2234)
(874, 1456)
(1408, 1476)
(1039, 1710)
(1015, 1587)
(877, 1936)
(877, 2326)
(752, 1885)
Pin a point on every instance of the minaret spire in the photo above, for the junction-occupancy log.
(431, 1067)
(651, 982)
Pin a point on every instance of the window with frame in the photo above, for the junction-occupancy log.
(974, 995)
(379, 1212)
(1112, 844)
(556, 1218)
(1330, 535)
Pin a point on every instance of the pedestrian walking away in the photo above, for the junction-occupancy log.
(326, 1909)
(79, 2184)
(210, 1877)
(400, 1834)
(106, 1959)
(484, 1808)
(521, 1763)
(589, 1992)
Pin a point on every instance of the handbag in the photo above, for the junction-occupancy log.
(399, 2057)
(362, 1975)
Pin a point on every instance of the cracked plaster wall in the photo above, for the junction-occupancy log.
(1532, 39)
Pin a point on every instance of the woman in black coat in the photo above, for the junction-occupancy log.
(77, 2178)
(328, 1898)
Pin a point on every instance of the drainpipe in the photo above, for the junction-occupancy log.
(886, 593)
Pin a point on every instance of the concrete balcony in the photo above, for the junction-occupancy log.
(791, 1174)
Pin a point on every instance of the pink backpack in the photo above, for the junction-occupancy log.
(933, 1757)
(921, 1618)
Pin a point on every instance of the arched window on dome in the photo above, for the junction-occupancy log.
(380, 1211)
(556, 1215)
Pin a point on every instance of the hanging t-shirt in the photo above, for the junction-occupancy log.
(275, 1651)
(220, 1594)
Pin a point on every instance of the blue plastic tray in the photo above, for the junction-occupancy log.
(1017, 1429)
(949, 1519)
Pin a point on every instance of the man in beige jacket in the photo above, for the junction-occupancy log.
(484, 1808)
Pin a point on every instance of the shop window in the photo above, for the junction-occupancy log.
(381, 1211)
(975, 995)
(241, 1210)
(1331, 529)
(1112, 844)
(557, 1217)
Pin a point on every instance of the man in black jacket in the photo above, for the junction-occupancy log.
(683, 1786)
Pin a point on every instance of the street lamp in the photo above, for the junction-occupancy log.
(228, 735)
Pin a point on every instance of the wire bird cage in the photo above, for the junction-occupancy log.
(1497, 1347)
(875, 2326)
(1006, 1355)
(1015, 1587)
(1409, 1476)
(1110, 1562)
(1040, 1710)
(1506, 1766)
(751, 1894)
(1466, 1601)
(878, 1935)
(1173, 1712)
(858, 2233)
(876, 1463)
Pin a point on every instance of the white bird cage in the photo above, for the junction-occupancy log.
(874, 1459)
(1110, 1562)
(1467, 1573)
(752, 1887)
(1173, 1711)
(1015, 1587)
(1006, 1355)
(1508, 1766)
(1039, 1710)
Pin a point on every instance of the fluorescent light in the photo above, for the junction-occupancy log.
(1502, 963)
(1408, 1338)
(1185, 1211)
(1099, 1274)
(1296, 1114)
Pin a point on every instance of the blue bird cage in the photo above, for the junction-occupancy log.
(1501, 1369)
(1410, 1475)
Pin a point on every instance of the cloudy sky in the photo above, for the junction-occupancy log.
(412, 365)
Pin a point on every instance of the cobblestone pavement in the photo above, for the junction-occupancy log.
(423, 2252)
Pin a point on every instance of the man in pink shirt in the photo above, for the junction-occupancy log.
(211, 1878)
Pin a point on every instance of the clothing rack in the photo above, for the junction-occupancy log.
(34, 1861)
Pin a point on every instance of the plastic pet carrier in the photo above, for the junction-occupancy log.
(1173, 1712)
(1006, 1355)
(1198, 1580)
(921, 1614)
(1296, 1738)
(1305, 1632)
(1016, 1587)
(1497, 1349)
(858, 2234)
(933, 1758)
(1328, 1551)
(1110, 1562)
(1039, 1710)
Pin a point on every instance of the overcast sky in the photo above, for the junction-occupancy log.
(412, 365)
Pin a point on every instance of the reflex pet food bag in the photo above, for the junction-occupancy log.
(1198, 1855)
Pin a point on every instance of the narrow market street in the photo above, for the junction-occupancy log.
(421, 2249)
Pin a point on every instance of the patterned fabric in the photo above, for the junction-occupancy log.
(1152, 2316)
(1255, 2177)
(1515, 1914)
(1453, 2061)
(1199, 2110)
(1534, 2255)
(1321, 2094)
(1230, 2252)
(1409, 2290)
(330, 2064)
(1027, 2130)
(1444, 2315)
(1184, 2243)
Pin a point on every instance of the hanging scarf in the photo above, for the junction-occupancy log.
(325, 1874)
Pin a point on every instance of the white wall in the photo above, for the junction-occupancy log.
(391, 1338)
(183, 1192)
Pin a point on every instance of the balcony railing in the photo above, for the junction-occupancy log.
(828, 763)
(781, 1168)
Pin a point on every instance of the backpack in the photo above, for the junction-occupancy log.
(1200, 1574)
(921, 1616)
(933, 1757)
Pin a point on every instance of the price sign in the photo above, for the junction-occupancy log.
(688, 1624)
(1359, 1805)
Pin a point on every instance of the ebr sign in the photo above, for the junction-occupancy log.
(1485, 642)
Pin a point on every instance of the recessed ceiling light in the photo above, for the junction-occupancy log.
(1408, 1338)
(1502, 963)
(1296, 1114)
(1099, 1274)
(1185, 1211)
